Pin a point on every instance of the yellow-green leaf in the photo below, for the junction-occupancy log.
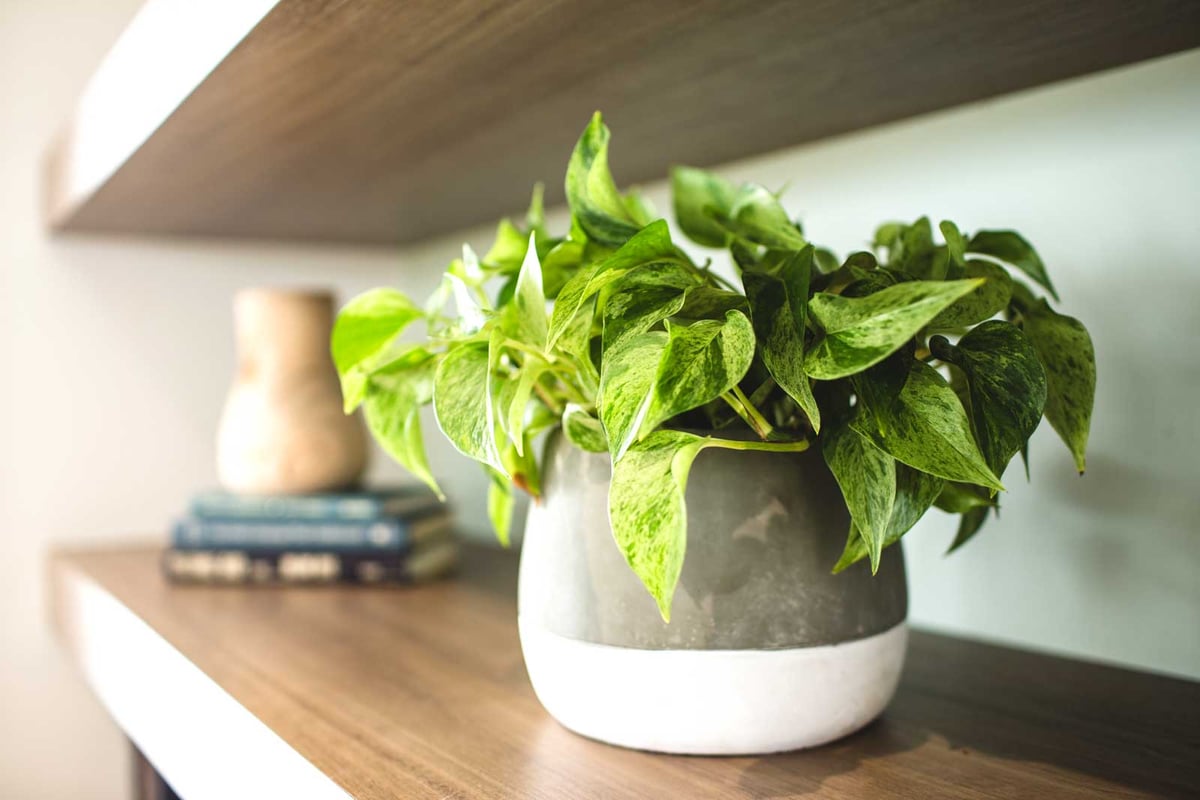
(592, 194)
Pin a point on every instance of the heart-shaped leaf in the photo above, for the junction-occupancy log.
(1065, 350)
(702, 361)
(757, 216)
(651, 245)
(1007, 387)
(626, 379)
(392, 410)
(595, 201)
(779, 309)
(925, 427)
(862, 331)
(694, 190)
(364, 331)
(867, 476)
(583, 430)
(915, 492)
(1011, 248)
(462, 401)
(987, 301)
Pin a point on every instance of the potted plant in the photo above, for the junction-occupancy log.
(784, 429)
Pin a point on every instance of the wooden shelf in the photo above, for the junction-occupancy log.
(378, 693)
(382, 122)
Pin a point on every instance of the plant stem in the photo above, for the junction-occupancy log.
(769, 447)
(547, 399)
(759, 423)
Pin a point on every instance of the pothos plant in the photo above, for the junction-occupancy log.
(918, 368)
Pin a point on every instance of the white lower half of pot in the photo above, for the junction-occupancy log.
(714, 702)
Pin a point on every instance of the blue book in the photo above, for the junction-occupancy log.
(365, 505)
(387, 534)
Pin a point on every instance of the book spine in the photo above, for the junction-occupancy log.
(221, 506)
(382, 535)
(244, 567)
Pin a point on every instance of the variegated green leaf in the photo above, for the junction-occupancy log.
(756, 215)
(779, 309)
(862, 331)
(987, 301)
(513, 414)
(392, 411)
(508, 250)
(926, 427)
(500, 506)
(1011, 248)
(1007, 387)
(709, 302)
(1065, 350)
(915, 492)
(651, 245)
(595, 201)
(529, 304)
(642, 299)
(626, 380)
(695, 190)
(702, 361)
(867, 476)
(959, 498)
(956, 245)
(647, 512)
(583, 430)
(462, 401)
(363, 334)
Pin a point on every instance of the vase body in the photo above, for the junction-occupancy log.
(283, 430)
(766, 649)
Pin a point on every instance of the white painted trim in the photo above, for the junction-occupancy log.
(167, 50)
(714, 702)
(200, 739)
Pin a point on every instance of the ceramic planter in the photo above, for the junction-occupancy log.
(766, 650)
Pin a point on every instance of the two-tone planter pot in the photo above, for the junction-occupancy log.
(766, 650)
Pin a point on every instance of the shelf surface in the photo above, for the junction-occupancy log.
(383, 122)
(421, 692)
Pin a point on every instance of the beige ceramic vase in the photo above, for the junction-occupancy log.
(283, 430)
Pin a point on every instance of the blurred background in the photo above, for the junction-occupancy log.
(116, 354)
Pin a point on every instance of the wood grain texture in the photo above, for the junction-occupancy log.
(422, 693)
(378, 121)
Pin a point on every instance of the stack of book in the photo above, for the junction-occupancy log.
(399, 535)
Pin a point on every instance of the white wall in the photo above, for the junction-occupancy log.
(115, 355)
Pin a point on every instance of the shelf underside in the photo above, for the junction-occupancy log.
(383, 122)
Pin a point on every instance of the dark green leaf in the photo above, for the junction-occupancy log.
(1011, 248)
(926, 427)
(956, 245)
(959, 498)
(987, 301)
(1007, 387)
(694, 190)
(915, 492)
(860, 332)
(591, 192)
(1065, 350)
(779, 308)
(968, 526)
(867, 477)
(709, 302)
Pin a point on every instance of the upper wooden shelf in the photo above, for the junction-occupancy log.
(421, 692)
(379, 121)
